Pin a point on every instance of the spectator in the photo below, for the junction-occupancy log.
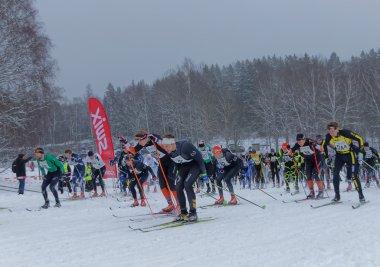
(21, 172)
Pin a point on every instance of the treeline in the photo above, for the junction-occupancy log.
(271, 96)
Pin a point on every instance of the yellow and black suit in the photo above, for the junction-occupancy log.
(257, 162)
(290, 168)
(343, 146)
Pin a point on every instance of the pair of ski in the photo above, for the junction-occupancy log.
(143, 217)
(354, 205)
(168, 225)
(217, 205)
(302, 200)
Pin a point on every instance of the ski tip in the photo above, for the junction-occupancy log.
(263, 207)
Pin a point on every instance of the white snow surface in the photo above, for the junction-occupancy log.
(84, 232)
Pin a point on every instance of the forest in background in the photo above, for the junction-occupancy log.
(274, 96)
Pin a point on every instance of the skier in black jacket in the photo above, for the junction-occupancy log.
(190, 165)
(228, 166)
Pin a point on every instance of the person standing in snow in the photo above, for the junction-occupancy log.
(19, 167)
(52, 169)
(206, 152)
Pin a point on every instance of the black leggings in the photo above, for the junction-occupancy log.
(170, 170)
(98, 173)
(51, 180)
(274, 171)
(226, 174)
(311, 170)
(187, 175)
(350, 160)
(142, 178)
(259, 177)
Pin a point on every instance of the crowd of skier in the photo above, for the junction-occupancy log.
(182, 169)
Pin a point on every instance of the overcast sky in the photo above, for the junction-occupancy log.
(102, 41)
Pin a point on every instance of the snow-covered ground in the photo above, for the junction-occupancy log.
(84, 233)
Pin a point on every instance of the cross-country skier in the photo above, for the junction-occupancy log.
(98, 173)
(52, 169)
(274, 166)
(228, 166)
(341, 141)
(140, 171)
(190, 165)
(306, 147)
(370, 157)
(257, 160)
(78, 173)
(286, 156)
(152, 143)
(65, 178)
(206, 152)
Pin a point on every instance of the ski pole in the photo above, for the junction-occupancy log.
(174, 200)
(298, 175)
(142, 189)
(207, 194)
(318, 170)
(267, 193)
(225, 189)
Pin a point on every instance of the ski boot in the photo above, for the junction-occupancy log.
(287, 190)
(349, 186)
(143, 204)
(57, 204)
(135, 203)
(361, 198)
(208, 191)
(103, 194)
(336, 198)
(262, 186)
(192, 216)
(319, 195)
(75, 196)
(311, 195)
(220, 201)
(233, 200)
(214, 192)
(95, 194)
(82, 195)
(182, 216)
(46, 205)
(169, 208)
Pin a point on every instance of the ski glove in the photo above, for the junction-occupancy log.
(154, 179)
(205, 177)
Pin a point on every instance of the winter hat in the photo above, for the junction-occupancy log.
(39, 150)
(216, 150)
(90, 153)
(300, 136)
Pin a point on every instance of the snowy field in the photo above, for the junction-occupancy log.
(84, 232)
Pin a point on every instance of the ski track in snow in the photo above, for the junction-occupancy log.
(84, 233)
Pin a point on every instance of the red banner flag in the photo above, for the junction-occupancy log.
(102, 134)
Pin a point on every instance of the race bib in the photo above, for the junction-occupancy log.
(223, 162)
(44, 165)
(306, 150)
(205, 155)
(179, 159)
(368, 154)
(341, 146)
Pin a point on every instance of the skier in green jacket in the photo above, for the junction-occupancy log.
(52, 169)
